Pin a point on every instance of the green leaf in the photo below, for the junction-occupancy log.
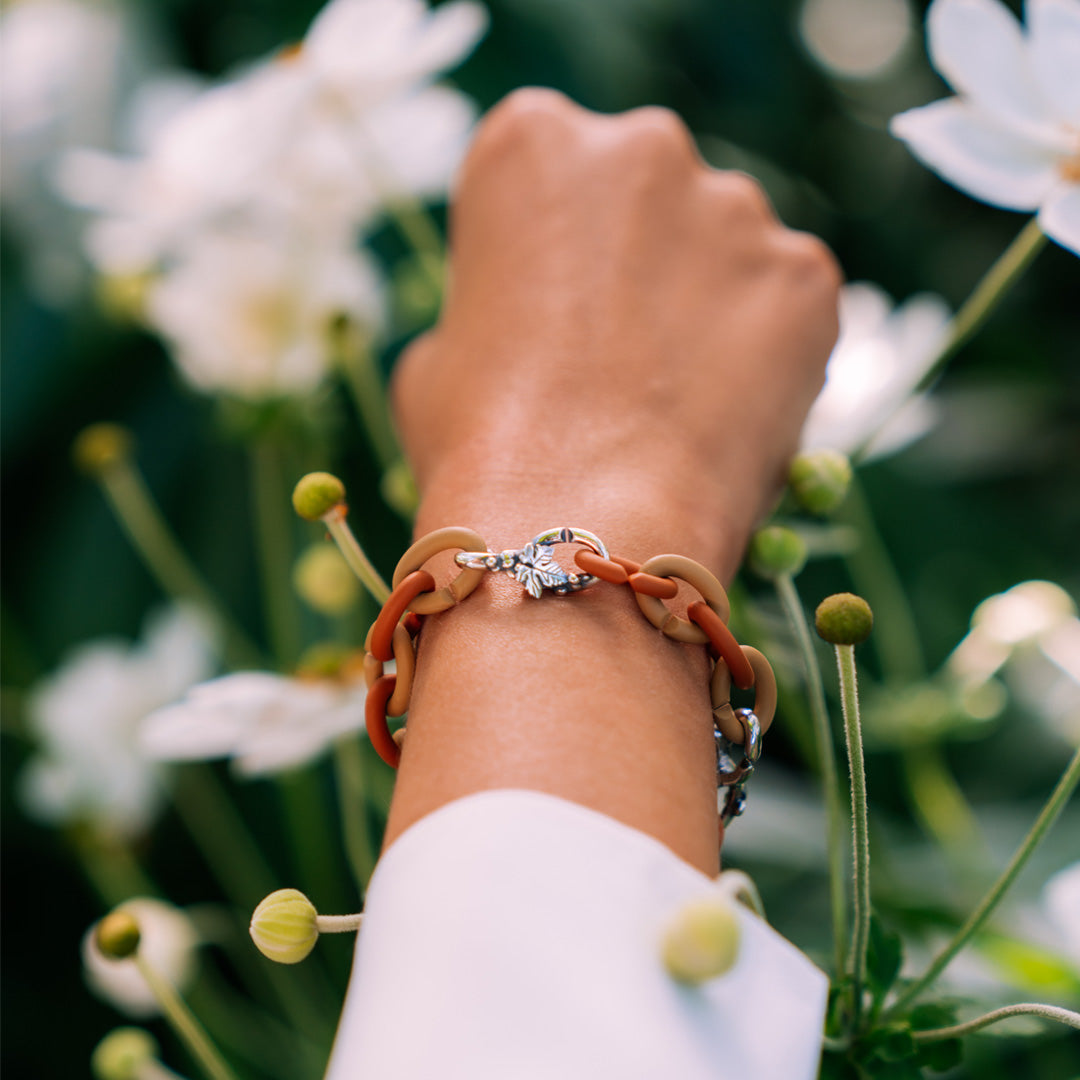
(933, 1014)
(894, 1043)
(884, 957)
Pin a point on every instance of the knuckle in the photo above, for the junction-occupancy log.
(658, 130)
(744, 195)
(523, 118)
(812, 258)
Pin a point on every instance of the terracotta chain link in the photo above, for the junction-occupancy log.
(393, 634)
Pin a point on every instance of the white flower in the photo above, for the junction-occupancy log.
(315, 139)
(65, 66)
(251, 315)
(265, 723)
(868, 406)
(85, 717)
(1012, 136)
(370, 50)
(1032, 631)
(167, 942)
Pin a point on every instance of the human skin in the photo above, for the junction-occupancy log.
(629, 345)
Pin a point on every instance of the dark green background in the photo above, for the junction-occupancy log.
(737, 73)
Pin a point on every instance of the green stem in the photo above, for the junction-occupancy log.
(357, 361)
(940, 804)
(418, 227)
(352, 806)
(273, 532)
(1048, 1012)
(361, 565)
(190, 1032)
(896, 637)
(789, 600)
(849, 698)
(145, 526)
(310, 831)
(112, 870)
(219, 831)
(995, 283)
(339, 924)
(1054, 805)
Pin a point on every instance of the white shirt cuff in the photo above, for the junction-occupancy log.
(515, 934)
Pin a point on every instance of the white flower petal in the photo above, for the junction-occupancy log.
(977, 155)
(914, 419)
(1059, 216)
(980, 48)
(1054, 34)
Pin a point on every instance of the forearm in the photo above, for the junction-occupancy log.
(577, 696)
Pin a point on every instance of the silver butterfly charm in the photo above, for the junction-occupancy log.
(534, 565)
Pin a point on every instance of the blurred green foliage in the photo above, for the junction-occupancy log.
(990, 499)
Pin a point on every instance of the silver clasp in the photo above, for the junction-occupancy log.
(534, 566)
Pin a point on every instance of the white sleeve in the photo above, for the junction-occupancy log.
(514, 934)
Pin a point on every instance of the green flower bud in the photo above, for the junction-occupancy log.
(122, 1054)
(283, 926)
(317, 494)
(327, 660)
(775, 551)
(100, 446)
(844, 619)
(819, 480)
(398, 487)
(703, 941)
(117, 935)
(323, 580)
(122, 297)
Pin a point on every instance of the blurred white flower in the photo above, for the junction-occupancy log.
(85, 717)
(316, 138)
(868, 406)
(265, 723)
(65, 66)
(1012, 136)
(251, 316)
(168, 940)
(1032, 631)
(1061, 903)
(853, 39)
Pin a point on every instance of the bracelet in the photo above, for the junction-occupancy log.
(392, 636)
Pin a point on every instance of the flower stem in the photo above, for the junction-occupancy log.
(941, 805)
(417, 226)
(1049, 1012)
(338, 924)
(356, 358)
(896, 637)
(181, 1019)
(145, 526)
(849, 698)
(273, 532)
(986, 296)
(338, 527)
(789, 600)
(1054, 805)
(112, 869)
(352, 806)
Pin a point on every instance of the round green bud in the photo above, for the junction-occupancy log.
(117, 935)
(844, 619)
(398, 487)
(122, 1054)
(283, 926)
(100, 446)
(703, 941)
(776, 551)
(323, 580)
(317, 494)
(819, 480)
(325, 660)
(122, 297)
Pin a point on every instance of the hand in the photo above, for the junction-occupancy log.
(630, 341)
